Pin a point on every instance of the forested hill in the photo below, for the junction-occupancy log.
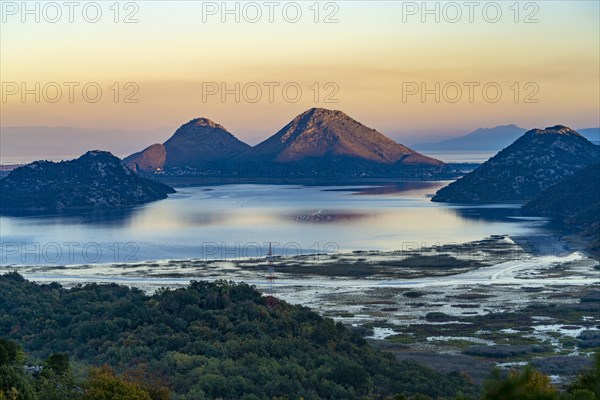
(575, 202)
(96, 180)
(534, 162)
(210, 340)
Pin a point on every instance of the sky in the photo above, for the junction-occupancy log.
(534, 64)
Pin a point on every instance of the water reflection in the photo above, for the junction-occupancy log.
(401, 188)
(115, 217)
(326, 216)
(165, 217)
(195, 221)
(496, 213)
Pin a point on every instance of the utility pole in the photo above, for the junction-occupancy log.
(271, 300)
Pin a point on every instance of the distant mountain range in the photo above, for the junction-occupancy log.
(592, 134)
(317, 136)
(482, 139)
(534, 162)
(491, 139)
(97, 179)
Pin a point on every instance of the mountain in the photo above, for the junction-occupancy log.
(569, 197)
(97, 179)
(537, 160)
(323, 144)
(574, 201)
(332, 136)
(199, 141)
(151, 159)
(479, 140)
(195, 143)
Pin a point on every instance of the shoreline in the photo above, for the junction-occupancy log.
(450, 302)
(552, 243)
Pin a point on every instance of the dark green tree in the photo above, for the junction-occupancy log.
(528, 384)
(13, 381)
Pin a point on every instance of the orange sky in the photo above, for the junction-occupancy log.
(177, 52)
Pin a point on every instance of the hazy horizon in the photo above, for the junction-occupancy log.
(172, 66)
(57, 143)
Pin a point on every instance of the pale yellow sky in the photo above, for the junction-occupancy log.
(368, 58)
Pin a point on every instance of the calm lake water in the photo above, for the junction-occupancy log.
(233, 221)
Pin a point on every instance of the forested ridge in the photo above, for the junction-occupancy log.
(209, 340)
(215, 340)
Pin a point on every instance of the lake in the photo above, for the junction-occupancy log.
(238, 221)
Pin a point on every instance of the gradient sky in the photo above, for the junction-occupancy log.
(368, 54)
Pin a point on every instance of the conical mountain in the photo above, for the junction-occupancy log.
(199, 141)
(195, 143)
(331, 135)
(537, 160)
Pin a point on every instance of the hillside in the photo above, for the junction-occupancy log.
(97, 179)
(199, 141)
(537, 160)
(195, 143)
(210, 341)
(328, 135)
(574, 201)
(149, 160)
